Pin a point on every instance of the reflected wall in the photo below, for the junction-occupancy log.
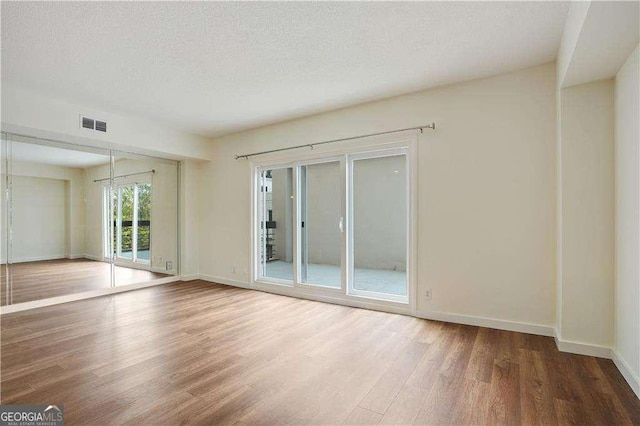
(77, 219)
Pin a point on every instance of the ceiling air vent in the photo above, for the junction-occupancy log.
(101, 126)
(87, 123)
(93, 124)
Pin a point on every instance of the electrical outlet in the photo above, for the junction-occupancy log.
(234, 269)
(427, 294)
(169, 265)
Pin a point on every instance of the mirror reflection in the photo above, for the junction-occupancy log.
(77, 219)
(144, 218)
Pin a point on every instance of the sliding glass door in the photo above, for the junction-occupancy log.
(378, 213)
(275, 216)
(321, 224)
(338, 224)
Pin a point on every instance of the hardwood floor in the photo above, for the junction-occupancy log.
(51, 278)
(210, 354)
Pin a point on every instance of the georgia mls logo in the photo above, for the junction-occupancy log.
(31, 415)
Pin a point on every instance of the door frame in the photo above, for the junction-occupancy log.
(374, 146)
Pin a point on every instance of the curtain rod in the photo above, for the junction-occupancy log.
(152, 171)
(431, 126)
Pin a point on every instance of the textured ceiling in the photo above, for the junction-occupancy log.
(216, 67)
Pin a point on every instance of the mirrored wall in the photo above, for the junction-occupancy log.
(76, 219)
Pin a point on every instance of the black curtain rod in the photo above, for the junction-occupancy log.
(431, 126)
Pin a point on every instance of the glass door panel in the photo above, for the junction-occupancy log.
(379, 226)
(143, 223)
(125, 221)
(275, 224)
(321, 224)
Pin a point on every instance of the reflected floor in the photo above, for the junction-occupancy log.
(378, 280)
(142, 254)
(51, 278)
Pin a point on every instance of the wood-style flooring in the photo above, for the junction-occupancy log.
(202, 353)
(51, 278)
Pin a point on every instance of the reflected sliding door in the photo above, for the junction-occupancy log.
(132, 214)
(125, 213)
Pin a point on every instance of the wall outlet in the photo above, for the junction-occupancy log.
(169, 265)
(427, 294)
(234, 270)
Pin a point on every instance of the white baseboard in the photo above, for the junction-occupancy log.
(55, 257)
(39, 258)
(18, 307)
(161, 270)
(625, 370)
(394, 308)
(219, 280)
(92, 257)
(75, 256)
(189, 277)
(521, 327)
(581, 348)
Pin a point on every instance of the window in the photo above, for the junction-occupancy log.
(339, 225)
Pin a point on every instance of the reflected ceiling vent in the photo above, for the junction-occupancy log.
(93, 124)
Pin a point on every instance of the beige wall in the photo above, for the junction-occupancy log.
(39, 225)
(486, 191)
(189, 217)
(627, 213)
(29, 183)
(587, 192)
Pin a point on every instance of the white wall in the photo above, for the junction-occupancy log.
(586, 231)
(627, 214)
(486, 185)
(570, 36)
(598, 37)
(189, 218)
(73, 219)
(39, 212)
